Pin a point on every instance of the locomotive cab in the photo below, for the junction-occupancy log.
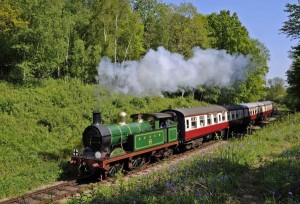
(156, 120)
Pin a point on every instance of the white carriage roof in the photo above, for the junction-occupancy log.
(207, 109)
(254, 104)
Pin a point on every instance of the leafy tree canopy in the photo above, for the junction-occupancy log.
(9, 17)
(292, 29)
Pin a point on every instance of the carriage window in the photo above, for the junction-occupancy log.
(223, 116)
(194, 122)
(232, 115)
(201, 121)
(220, 117)
(187, 123)
(237, 115)
(215, 119)
(208, 120)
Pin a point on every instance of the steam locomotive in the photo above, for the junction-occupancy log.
(108, 149)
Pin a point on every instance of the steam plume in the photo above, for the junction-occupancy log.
(162, 70)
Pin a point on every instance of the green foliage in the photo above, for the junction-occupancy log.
(293, 79)
(211, 94)
(188, 30)
(228, 33)
(291, 29)
(9, 17)
(177, 28)
(117, 30)
(276, 90)
(10, 22)
(39, 128)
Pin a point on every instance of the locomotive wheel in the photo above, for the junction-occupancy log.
(116, 168)
(137, 162)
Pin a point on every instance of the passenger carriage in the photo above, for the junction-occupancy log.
(259, 110)
(202, 122)
(268, 108)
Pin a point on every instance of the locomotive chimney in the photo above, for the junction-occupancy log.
(96, 117)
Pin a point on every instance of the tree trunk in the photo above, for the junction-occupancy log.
(116, 28)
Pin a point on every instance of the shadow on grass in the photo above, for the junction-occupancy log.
(68, 171)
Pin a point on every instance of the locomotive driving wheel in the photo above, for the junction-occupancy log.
(137, 162)
(115, 168)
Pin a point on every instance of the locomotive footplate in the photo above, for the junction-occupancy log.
(104, 162)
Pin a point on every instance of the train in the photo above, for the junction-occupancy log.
(109, 149)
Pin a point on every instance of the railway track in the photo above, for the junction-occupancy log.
(53, 193)
(70, 188)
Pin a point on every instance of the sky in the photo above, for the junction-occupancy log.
(263, 20)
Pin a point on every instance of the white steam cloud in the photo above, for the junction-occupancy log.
(161, 70)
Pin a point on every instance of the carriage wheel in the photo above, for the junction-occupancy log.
(116, 168)
(137, 162)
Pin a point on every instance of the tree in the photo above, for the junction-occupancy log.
(292, 30)
(177, 28)
(10, 23)
(47, 26)
(291, 27)
(156, 19)
(276, 90)
(293, 78)
(116, 30)
(79, 59)
(187, 29)
(228, 33)
(9, 17)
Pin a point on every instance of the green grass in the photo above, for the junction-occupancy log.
(263, 167)
(41, 124)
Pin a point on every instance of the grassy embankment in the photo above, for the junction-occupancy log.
(42, 123)
(263, 168)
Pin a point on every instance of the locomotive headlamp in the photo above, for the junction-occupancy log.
(97, 155)
(75, 152)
